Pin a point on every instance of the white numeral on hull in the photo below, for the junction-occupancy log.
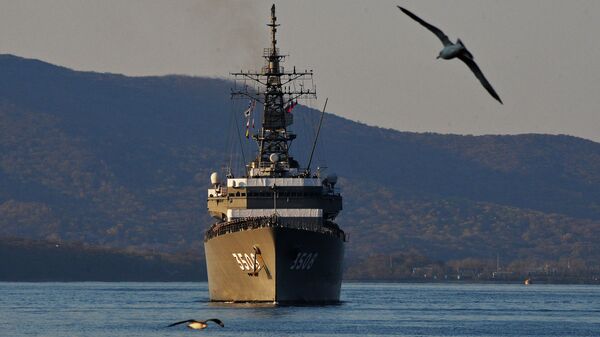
(304, 261)
(245, 261)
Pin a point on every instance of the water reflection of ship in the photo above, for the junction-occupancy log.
(275, 239)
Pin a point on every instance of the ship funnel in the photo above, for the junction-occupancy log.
(214, 178)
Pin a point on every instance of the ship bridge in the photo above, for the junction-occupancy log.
(312, 198)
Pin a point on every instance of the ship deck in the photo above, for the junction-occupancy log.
(242, 224)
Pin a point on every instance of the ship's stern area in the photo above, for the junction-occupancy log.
(270, 259)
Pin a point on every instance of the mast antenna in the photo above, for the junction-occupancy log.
(276, 91)
(316, 136)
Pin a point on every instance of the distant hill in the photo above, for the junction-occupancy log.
(40, 260)
(124, 162)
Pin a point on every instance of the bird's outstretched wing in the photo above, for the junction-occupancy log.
(475, 69)
(445, 40)
(216, 320)
(176, 323)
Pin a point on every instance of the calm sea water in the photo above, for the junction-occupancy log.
(144, 309)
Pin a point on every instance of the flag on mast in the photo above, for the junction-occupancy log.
(290, 106)
(250, 108)
(248, 113)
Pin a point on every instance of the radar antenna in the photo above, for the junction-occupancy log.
(274, 88)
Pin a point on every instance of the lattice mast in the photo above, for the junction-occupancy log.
(275, 89)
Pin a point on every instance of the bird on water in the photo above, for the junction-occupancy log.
(454, 50)
(198, 325)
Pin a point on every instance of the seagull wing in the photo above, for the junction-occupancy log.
(176, 323)
(475, 69)
(445, 40)
(216, 320)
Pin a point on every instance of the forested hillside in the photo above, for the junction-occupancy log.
(123, 162)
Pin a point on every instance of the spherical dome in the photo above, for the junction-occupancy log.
(214, 178)
(274, 157)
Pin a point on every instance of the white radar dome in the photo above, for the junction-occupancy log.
(274, 157)
(214, 178)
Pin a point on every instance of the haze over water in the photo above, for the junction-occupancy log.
(144, 309)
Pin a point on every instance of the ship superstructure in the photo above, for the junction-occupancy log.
(275, 239)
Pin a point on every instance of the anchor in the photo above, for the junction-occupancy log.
(257, 256)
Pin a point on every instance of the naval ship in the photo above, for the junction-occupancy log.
(275, 239)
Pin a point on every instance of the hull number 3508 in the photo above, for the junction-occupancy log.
(246, 261)
(304, 261)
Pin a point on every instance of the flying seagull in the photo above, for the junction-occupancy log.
(452, 50)
(198, 325)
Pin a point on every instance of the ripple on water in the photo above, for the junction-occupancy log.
(134, 309)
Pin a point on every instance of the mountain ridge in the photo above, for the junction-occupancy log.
(123, 161)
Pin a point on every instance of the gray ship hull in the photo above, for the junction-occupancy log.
(294, 266)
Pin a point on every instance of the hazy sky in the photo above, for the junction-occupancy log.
(374, 63)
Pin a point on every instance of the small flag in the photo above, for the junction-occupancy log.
(250, 108)
(291, 106)
(248, 114)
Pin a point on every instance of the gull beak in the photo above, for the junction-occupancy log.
(437, 57)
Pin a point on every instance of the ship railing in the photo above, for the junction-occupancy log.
(269, 51)
(264, 164)
(242, 224)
